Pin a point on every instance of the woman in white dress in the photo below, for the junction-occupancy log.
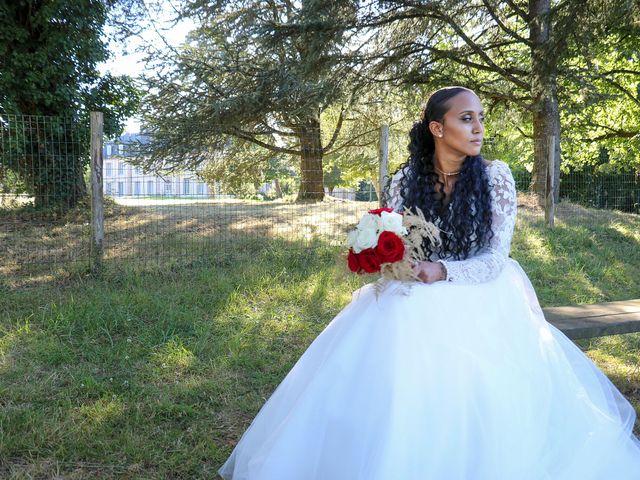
(455, 378)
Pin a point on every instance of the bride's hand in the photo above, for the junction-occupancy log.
(429, 272)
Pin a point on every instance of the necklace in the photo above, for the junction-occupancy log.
(446, 173)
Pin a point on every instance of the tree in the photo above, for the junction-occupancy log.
(49, 51)
(241, 177)
(509, 52)
(359, 159)
(238, 81)
(612, 123)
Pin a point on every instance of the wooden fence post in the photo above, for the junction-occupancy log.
(97, 207)
(550, 203)
(383, 157)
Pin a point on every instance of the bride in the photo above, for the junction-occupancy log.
(458, 377)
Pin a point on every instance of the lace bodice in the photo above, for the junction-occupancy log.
(488, 262)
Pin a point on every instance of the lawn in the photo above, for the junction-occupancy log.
(154, 370)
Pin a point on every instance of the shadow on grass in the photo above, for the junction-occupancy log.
(155, 368)
(580, 262)
(168, 235)
(158, 369)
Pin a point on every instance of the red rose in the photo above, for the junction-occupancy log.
(378, 211)
(390, 247)
(354, 263)
(369, 260)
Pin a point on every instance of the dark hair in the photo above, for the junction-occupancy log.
(466, 224)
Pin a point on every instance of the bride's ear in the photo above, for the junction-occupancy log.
(436, 128)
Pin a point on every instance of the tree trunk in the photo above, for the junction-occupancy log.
(58, 183)
(53, 168)
(546, 114)
(311, 177)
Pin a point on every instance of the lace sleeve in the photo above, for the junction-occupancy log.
(488, 263)
(394, 200)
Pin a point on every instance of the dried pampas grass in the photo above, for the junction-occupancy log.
(419, 229)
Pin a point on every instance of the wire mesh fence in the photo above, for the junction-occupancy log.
(43, 192)
(600, 179)
(173, 226)
(161, 215)
(153, 215)
(602, 190)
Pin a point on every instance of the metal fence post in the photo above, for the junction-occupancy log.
(549, 207)
(97, 206)
(383, 156)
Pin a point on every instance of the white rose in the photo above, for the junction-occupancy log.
(392, 222)
(370, 221)
(351, 238)
(366, 238)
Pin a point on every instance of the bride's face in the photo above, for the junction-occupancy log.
(463, 127)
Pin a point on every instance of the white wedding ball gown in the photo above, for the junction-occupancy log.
(457, 380)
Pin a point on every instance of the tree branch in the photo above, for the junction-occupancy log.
(236, 132)
(499, 22)
(523, 133)
(613, 133)
(336, 132)
(523, 14)
(609, 136)
(626, 92)
(479, 51)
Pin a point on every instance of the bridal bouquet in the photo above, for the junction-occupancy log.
(389, 242)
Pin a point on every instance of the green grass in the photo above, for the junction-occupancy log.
(590, 256)
(156, 374)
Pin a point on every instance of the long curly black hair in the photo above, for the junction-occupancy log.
(466, 222)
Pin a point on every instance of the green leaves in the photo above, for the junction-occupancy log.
(49, 53)
(116, 96)
(253, 72)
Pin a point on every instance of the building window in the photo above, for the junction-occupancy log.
(136, 188)
(200, 188)
(120, 169)
(149, 187)
(185, 188)
(109, 188)
(120, 189)
(121, 149)
(108, 171)
(137, 170)
(167, 187)
(108, 150)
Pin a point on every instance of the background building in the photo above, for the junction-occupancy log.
(122, 179)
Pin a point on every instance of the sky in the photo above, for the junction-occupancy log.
(127, 60)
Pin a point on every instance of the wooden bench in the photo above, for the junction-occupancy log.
(588, 321)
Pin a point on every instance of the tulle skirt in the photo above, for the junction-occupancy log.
(442, 382)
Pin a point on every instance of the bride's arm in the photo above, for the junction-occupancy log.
(488, 263)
